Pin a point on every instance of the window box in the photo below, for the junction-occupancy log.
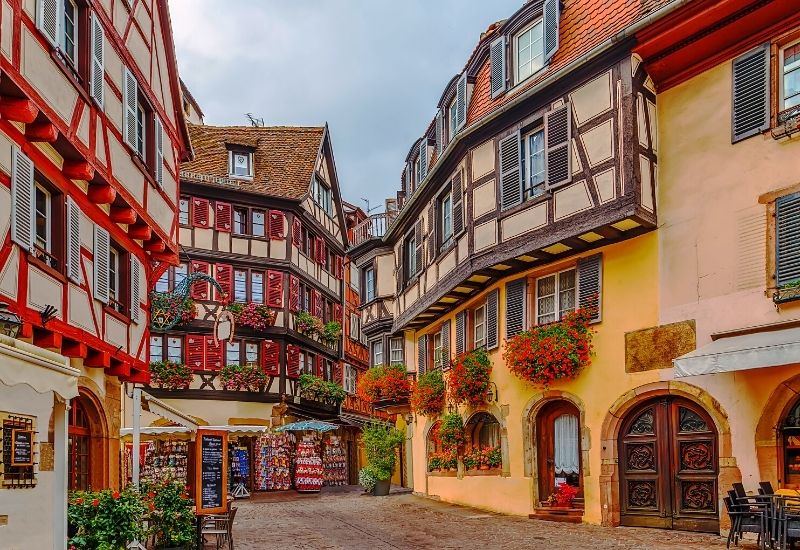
(786, 294)
(490, 472)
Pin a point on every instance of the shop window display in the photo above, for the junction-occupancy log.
(272, 468)
(335, 463)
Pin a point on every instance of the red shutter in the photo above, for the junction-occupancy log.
(200, 212)
(337, 373)
(195, 350)
(276, 224)
(213, 354)
(319, 305)
(292, 362)
(274, 289)
(297, 231)
(222, 217)
(200, 288)
(338, 311)
(320, 249)
(294, 293)
(340, 267)
(270, 361)
(223, 275)
(320, 366)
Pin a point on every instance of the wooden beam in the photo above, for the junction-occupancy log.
(46, 338)
(102, 194)
(41, 131)
(140, 231)
(18, 109)
(167, 257)
(97, 359)
(72, 348)
(26, 331)
(120, 369)
(139, 376)
(154, 245)
(122, 214)
(78, 170)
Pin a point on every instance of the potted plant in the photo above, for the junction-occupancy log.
(249, 377)
(106, 519)
(170, 375)
(427, 397)
(450, 459)
(472, 459)
(563, 497)
(367, 479)
(491, 457)
(331, 332)
(384, 382)
(172, 519)
(468, 380)
(380, 444)
(435, 462)
(253, 315)
(316, 389)
(308, 325)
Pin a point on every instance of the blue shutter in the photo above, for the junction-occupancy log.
(557, 137)
(589, 278)
(750, 112)
(422, 355)
(515, 307)
(552, 14)
(461, 325)
(492, 302)
(497, 66)
(510, 171)
(787, 225)
(461, 102)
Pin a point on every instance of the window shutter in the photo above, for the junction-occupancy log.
(510, 171)
(787, 226)
(346, 378)
(338, 373)
(338, 313)
(461, 325)
(294, 293)
(750, 94)
(73, 241)
(431, 234)
(224, 276)
(497, 69)
(589, 278)
(195, 351)
(97, 78)
(422, 355)
(320, 249)
(276, 225)
(399, 270)
(423, 160)
(320, 366)
(515, 307)
(48, 19)
(213, 354)
(339, 267)
(297, 231)
(102, 245)
(199, 288)
(458, 204)
(319, 305)
(159, 152)
(552, 14)
(292, 361)
(557, 137)
(200, 212)
(439, 133)
(274, 289)
(136, 291)
(129, 99)
(446, 345)
(419, 240)
(270, 360)
(222, 217)
(23, 200)
(492, 301)
(461, 101)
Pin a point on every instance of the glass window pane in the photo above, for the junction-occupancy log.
(566, 292)
(546, 300)
(162, 285)
(232, 353)
(791, 88)
(257, 287)
(240, 286)
(42, 218)
(156, 348)
(174, 350)
(536, 163)
(183, 216)
(258, 224)
(240, 221)
(251, 352)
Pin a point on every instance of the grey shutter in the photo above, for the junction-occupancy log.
(497, 66)
(557, 137)
(422, 355)
(446, 345)
(461, 102)
(589, 278)
(750, 113)
(423, 160)
(159, 152)
(73, 241)
(510, 171)
(461, 325)
(552, 14)
(23, 200)
(97, 80)
(439, 133)
(102, 245)
(136, 294)
(48, 19)
(129, 98)
(515, 307)
(431, 234)
(492, 302)
(399, 270)
(458, 204)
(787, 225)
(419, 239)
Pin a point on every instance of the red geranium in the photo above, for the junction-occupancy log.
(468, 380)
(384, 382)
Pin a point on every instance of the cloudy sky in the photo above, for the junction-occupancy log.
(372, 69)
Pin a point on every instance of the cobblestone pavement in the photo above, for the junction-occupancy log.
(349, 520)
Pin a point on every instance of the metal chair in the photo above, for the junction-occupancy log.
(787, 521)
(746, 518)
(221, 526)
(766, 487)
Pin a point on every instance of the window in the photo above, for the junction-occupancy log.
(355, 327)
(141, 117)
(251, 352)
(259, 228)
(183, 212)
(240, 221)
(172, 351)
(453, 118)
(240, 286)
(322, 196)
(44, 223)
(377, 353)
(396, 351)
(445, 220)
(241, 352)
(417, 173)
(790, 71)
(180, 274)
(482, 431)
(350, 378)
(307, 363)
(240, 163)
(70, 37)
(156, 349)
(437, 350)
(411, 257)
(533, 163)
(369, 277)
(528, 52)
(257, 287)
(162, 284)
(114, 288)
(555, 296)
(232, 353)
(480, 327)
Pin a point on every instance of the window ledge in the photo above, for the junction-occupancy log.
(116, 314)
(490, 472)
(443, 474)
(33, 260)
(54, 55)
(139, 162)
(538, 199)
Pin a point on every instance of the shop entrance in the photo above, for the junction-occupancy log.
(668, 463)
(559, 450)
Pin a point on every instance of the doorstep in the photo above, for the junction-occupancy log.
(563, 515)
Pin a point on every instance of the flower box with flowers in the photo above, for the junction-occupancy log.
(308, 325)
(170, 375)
(468, 379)
(249, 377)
(253, 315)
(428, 394)
(316, 389)
(384, 383)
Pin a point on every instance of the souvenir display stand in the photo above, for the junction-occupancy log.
(334, 462)
(308, 475)
(239, 463)
(272, 463)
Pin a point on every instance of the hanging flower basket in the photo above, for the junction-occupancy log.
(468, 380)
(256, 316)
(551, 352)
(164, 307)
(451, 431)
(170, 376)
(427, 397)
(384, 382)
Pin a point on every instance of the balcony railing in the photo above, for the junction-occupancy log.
(373, 227)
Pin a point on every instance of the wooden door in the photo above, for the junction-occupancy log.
(548, 468)
(668, 467)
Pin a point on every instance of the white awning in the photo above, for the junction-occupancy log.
(155, 406)
(41, 369)
(747, 351)
(180, 432)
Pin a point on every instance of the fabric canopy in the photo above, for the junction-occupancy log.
(155, 406)
(310, 425)
(41, 369)
(747, 351)
(181, 432)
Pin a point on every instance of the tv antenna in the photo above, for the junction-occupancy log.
(256, 122)
(368, 208)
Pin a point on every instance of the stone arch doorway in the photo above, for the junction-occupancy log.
(558, 448)
(90, 444)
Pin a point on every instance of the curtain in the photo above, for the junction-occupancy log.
(565, 429)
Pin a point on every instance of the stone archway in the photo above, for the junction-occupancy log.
(768, 443)
(100, 461)
(498, 414)
(609, 476)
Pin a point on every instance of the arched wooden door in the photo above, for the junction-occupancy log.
(668, 464)
(559, 448)
(78, 448)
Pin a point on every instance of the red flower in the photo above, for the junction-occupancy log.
(115, 495)
(184, 496)
(95, 502)
(79, 501)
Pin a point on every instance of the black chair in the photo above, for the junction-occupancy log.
(746, 518)
(766, 487)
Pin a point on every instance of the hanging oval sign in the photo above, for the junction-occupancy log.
(224, 327)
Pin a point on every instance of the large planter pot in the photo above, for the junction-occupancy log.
(483, 467)
(381, 488)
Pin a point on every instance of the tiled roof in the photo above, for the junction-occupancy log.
(283, 160)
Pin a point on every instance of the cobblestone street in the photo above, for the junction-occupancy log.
(349, 520)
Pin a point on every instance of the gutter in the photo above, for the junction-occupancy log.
(547, 81)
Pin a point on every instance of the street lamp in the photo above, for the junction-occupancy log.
(489, 397)
(9, 322)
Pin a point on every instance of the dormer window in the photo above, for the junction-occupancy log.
(240, 163)
(528, 51)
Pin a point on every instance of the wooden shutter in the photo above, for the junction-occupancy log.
(276, 225)
(422, 355)
(223, 216)
(340, 267)
(199, 288)
(589, 279)
(320, 250)
(461, 329)
(458, 204)
(195, 351)
(270, 358)
(224, 276)
(552, 14)
(274, 289)
(399, 270)
(446, 345)
(423, 160)
(557, 137)
(102, 246)
(431, 244)
(159, 175)
(97, 77)
(129, 101)
(23, 200)
(787, 237)
(750, 113)
(338, 313)
(214, 354)
(338, 377)
(515, 307)
(439, 133)
(73, 241)
(320, 366)
(492, 302)
(419, 240)
(497, 66)
(48, 19)
(294, 293)
(297, 232)
(136, 291)
(200, 212)
(292, 362)
(319, 305)
(461, 101)
(510, 171)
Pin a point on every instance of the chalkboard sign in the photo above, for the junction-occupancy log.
(22, 447)
(211, 450)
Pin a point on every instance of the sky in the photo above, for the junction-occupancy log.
(374, 70)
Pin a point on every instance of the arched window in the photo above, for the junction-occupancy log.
(78, 460)
(483, 431)
(791, 448)
(433, 443)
